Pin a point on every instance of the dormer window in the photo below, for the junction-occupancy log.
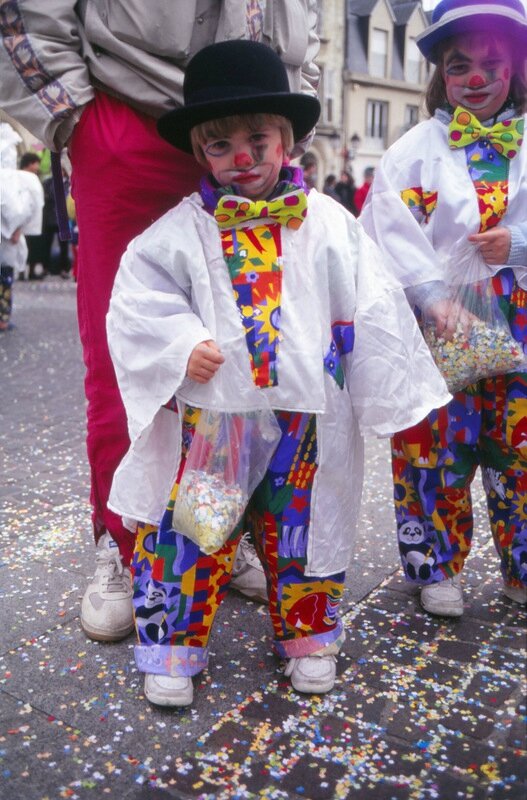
(379, 53)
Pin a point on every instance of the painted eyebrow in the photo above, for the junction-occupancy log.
(457, 55)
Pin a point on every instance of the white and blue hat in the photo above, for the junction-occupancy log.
(452, 17)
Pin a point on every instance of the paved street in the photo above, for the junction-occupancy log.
(423, 707)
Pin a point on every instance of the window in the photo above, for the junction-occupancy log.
(411, 116)
(379, 53)
(377, 122)
(328, 95)
(413, 63)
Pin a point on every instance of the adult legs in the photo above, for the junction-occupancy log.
(124, 177)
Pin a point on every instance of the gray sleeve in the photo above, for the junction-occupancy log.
(45, 82)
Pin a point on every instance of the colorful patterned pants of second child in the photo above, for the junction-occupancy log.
(178, 589)
(434, 464)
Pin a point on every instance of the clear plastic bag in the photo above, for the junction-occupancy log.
(227, 459)
(473, 339)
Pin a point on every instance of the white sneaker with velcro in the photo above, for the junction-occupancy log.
(444, 599)
(248, 576)
(165, 690)
(313, 674)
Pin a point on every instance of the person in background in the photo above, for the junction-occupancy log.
(362, 192)
(309, 166)
(55, 252)
(30, 162)
(277, 287)
(345, 189)
(20, 213)
(95, 82)
(329, 187)
(451, 192)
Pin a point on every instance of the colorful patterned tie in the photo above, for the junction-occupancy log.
(289, 210)
(505, 137)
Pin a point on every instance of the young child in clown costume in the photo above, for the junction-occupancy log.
(458, 183)
(268, 285)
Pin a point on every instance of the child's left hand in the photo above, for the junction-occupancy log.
(494, 245)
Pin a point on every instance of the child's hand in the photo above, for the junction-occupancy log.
(15, 238)
(447, 315)
(494, 245)
(204, 361)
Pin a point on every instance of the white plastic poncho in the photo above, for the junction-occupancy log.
(173, 291)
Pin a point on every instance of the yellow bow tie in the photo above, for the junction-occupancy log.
(505, 137)
(289, 210)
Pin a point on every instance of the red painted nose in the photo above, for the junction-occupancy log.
(475, 81)
(242, 160)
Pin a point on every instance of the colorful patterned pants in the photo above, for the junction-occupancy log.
(178, 589)
(434, 464)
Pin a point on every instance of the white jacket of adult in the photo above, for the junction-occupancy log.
(55, 53)
(173, 291)
(419, 252)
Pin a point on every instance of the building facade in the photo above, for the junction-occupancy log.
(373, 79)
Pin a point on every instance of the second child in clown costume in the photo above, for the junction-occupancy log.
(454, 186)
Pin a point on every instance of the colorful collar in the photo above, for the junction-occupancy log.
(291, 179)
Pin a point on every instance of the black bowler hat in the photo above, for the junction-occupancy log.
(236, 77)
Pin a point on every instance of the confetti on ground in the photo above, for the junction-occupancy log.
(423, 708)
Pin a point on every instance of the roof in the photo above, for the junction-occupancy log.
(402, 9)
(362, 8)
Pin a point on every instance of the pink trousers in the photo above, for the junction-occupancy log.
(124, 177)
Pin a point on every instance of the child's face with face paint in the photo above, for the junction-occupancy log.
(477, 71)
(248, 160)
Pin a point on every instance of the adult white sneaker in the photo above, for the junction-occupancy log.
(445, 599)
(164, 690)
(516, 593)
(248, 576)
(106, 611)
(312, 674)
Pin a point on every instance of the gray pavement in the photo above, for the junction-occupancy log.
(423, 707)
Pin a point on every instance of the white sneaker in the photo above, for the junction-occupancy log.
(312, 674)
(444, 598)
(516, 593)
(107, 612)
(247, 575)
(163, 690)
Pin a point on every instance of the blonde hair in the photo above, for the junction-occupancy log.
(218, 128)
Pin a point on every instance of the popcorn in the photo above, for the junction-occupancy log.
(485, 352)
(207, 509)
